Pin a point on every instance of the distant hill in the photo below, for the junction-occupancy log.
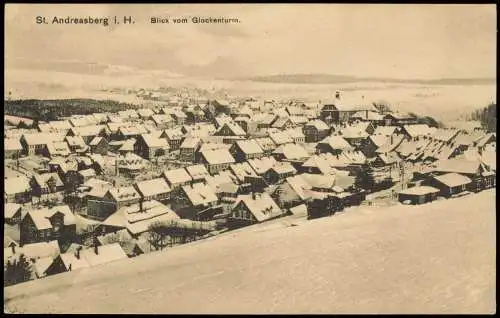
(337, 79)
(45, 110)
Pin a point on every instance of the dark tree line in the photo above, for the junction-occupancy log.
(427, 120)
(47, 110)
(487, 116)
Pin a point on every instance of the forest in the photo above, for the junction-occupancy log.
(487, 116)
(47, 110)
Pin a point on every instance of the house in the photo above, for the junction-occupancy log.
(279, 172)
(386, 130)
(282, 123)
(418, 195)
(368, 116)
(244, 150)
(197, 202)
(292, 152)
(355, 134)
(149, 147)
(17, 189)
(230, 129)
(280, 138)
(479, 173)
(188, 149)
(266, 143)
(44, 184)
(47, 224)
(145, 113)
(12, 148)
(316, 130)
(99, 145)
(341, 108)
(296, 134)
(217, 160)
(414, 131)
(128, 115)
(388, 159)
(260, 166)
(334, 145)
(138, 217)
(254, 208)
(12, 213)
(66, 262)
(242, 171)
(174, 137)
(36, 144)
(243, 122)
(264, 120)
(198, 173)
(121, 196)
(399, 119)
(449, 184)
(128, 132)
(154, 189)
(58, 148)
(221, 119)
(77, 144)
(32, 251)
(88, 132)
(177, 178)
(371, 144)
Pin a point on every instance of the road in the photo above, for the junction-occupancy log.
(435, 258)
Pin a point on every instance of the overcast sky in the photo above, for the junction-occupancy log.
(403, 41)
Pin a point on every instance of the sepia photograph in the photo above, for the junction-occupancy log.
(250, 158)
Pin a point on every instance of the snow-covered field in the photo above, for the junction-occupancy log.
(441, 101)
(435, 258)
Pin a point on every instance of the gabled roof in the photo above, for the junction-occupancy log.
(155, 142)
(242, 170)
(418, 130)
(218, 156)
(459, 165)
(419, 190)
(336, 142)
(292, 151)
(453, 179)
(318, 124)
(58, 148)
(177, 176)
(265, 143)
(249, 147)
(263, 164)
(10, 209)
(16, 185)
(235, 129)
(153, 187)
(283, 167)
(262, 206)
(200, 194)
(12, 144)
(197, 171)
(385, 130)
(106, 254)
(280, 137)
(124, 193)
(191, 142)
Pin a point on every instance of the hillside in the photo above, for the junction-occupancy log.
(435, 258)
(45, 110)
(338, 79)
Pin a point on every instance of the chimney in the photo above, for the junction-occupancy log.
(254, 195)
(392, 139)
(13, 247)
(337, 95)
(141, 206)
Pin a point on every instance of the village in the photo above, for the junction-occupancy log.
(86, 190)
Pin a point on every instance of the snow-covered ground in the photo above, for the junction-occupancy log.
(435, 258)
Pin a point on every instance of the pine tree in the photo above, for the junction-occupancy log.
(17, 270)
(364, 179)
